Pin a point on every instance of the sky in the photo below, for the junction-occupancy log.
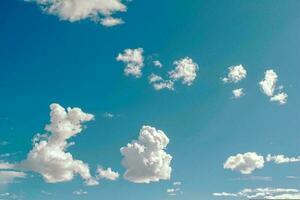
(152, 100)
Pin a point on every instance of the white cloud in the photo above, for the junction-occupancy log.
(134, 60)
(110, 21)
(80, 192)
(244, 163)
(49, 157)
(177, 183)
(107, 174)
(159, 83)
(268, 84)
(185, 69)
(280, 159)
(75, 10)
(262, 193)
(157, 63)
(235, 74)
(173, 191)
(145, 159)
(108, 115)
(6, 165)
(238, 93)
(280, 97)
(7, 177)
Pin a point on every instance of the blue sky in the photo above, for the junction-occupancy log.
(46, 59)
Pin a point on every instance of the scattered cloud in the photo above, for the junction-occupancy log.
(99, 11)
(175, 190)
(235, 74)
(177, 183)
(262, 193)
(238, 93)
(107, 174)
(80, 192)
(159, 83)
(280, 159)
(157, 63)
(108, 115)
(254, 178)
(49, 157)
(291, 177)
(145, 159)
(268, 87)
(185, 70)
(134, 60)
(244, 163)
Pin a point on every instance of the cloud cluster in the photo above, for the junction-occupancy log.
(159, 83)
(49, 157)
(134, 60)
(244, 163)
(175, 190)
(268, 87)
(280, 159)
(100, 11)
(145, 159)
(238, 93)
(263, 193)
(185, 70)
(235, 74)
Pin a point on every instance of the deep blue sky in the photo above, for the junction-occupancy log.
(45, 60)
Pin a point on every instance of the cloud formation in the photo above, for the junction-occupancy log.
(99, 11)
(268, 87)
(157, 63)
(134, 60)
(185, 70)
(107, 174)
(238, 93)
(235, 74)
(145, 159)
(159, 83)
(49, 157)
(280, 159)
(263, 193)
(244, 163)
(7, 177)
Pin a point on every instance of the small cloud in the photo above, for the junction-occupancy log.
(107, 174)
(159, 83)
(238, 93)
(80, 192)
(108, 115)
(280, 159)
(291, 177)
(7, 177)
(177, 183)
(110, 21)
(280, 97)
(235, 74)
(157, 63)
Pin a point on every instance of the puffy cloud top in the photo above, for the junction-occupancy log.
(49, 157)
(134, 60)
(145, 159)
(235, 74)
(244, 163)
(268, 84)
(185, 69)
(75, 10)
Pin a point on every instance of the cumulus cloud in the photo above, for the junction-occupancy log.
(244, 163)
(280, 159)
(235, 74)
(262, 193)
(280, 97)
(238, 93)
(107, 174)
(157, 63)
(185, 70)
(268, 87)
(145, 159)
(49, 157)
(159, 83)
(75, 10)
(134, 60)
(7, 177)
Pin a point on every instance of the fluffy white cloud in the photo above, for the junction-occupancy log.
(134, 60)
(75, 10)
(280, 97)
(237, 93)
(262, 193)
(107, 174)
(244, 163)
(280, 159)
(268, 84)
(268, 87)
(7, 177)
(145, 159)
(235, 74)
(49, 157)
(159, 83)
(157, 63)
(185, 69)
